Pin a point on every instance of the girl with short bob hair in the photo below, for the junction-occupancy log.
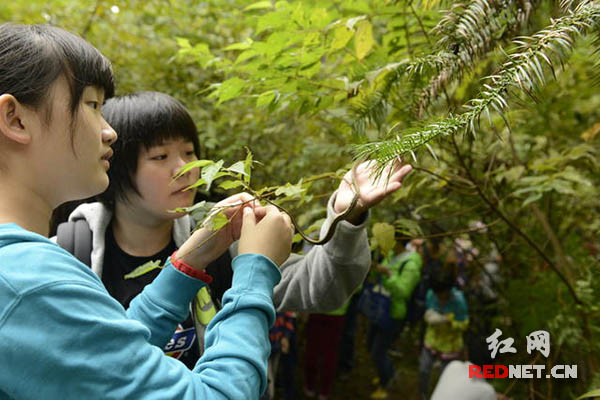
(146, 120)
(61, 335)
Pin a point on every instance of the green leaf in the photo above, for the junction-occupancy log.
(573, 175)
(297, 238)
(408, 227)
(238, 168)
(261, 5)
(230, 89)
(512, 175)
(246, 44)
(299, 16)
(248, 166)
(266, 98)
(143, 269)
(363, 42)
(199, 205)
(353, 21)
(272, 20)
(198, 183)
(227, 185)
(199, 211)
(319, 18)
(532, 198)
(311, 39)
(246, 55)
(311, 70)
(183, 43)
(289, 190)
(191, 165)
(209, 173)
(593, 393)
(384, 234)
(218, 221)
(341, 37)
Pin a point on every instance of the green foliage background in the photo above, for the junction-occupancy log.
(301, 84)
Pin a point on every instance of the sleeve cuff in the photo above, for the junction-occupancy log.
(174, 285)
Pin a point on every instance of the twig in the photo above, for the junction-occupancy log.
(514, 227)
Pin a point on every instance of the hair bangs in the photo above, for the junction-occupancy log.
(82, 64)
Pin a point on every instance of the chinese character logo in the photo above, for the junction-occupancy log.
(540, 341)
(504, 346)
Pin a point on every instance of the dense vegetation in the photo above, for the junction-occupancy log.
(495, 104)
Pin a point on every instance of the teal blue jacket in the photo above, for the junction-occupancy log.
(63, 337)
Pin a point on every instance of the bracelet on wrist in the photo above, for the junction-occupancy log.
(190, 271)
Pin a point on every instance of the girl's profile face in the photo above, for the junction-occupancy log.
(155, 169)
(74, 148)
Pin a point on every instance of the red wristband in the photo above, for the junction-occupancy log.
(190, 271)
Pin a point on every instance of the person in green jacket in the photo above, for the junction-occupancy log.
(400, 273)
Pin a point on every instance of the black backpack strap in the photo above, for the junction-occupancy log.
(76, 238)
(402, 266)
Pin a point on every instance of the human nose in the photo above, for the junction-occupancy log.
(109, 135)
(179, 163)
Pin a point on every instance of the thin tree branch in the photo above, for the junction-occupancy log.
(514, 227)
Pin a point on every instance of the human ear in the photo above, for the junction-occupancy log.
(11, 120)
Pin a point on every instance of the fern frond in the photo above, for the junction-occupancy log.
(370, 110)
(471, 34)
(522, 72)
(570, 4)
(374, 108)
(596, 68)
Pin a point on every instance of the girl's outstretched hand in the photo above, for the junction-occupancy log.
(271, 236)
(372, 188)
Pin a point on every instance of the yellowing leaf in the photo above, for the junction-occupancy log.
(143, 269)
(363, 41)
(591, 133)
(384, 234)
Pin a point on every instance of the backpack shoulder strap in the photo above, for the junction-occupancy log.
(76, 238)
(402, 266)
